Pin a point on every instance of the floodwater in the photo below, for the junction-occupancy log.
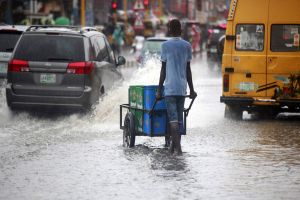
(80, 156)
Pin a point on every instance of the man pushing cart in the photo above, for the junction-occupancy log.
(156, 117)
(175, 74)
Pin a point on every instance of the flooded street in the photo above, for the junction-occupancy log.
(80, 156)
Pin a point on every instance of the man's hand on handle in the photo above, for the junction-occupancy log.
(193, 94)
(158, 95)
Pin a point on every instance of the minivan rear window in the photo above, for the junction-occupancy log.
(250, 37)
(49, 47)
(285, 38)
(8, 41)
(153, 46)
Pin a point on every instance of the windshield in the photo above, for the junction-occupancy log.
(50, 48)
(8, 41)
(153, 46)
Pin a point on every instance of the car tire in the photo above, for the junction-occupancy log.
(88, 105)
(8, 102)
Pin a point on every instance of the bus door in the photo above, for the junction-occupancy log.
(250, 48)
(284, 53)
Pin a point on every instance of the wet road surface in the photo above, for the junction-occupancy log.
(80, 156)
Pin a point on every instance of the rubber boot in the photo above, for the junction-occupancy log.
(172, 147)
(174, 128)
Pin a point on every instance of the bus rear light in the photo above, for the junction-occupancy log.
(18, 66)
(226, 83)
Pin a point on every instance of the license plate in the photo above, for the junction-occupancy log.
(3, 68)
(48, 78)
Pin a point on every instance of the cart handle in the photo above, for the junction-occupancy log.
(185, 109)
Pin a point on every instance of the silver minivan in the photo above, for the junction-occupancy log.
(61, 67)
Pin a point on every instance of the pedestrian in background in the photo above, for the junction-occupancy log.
(109, 30)
(118, 39)
(175, 75)
(195, 39)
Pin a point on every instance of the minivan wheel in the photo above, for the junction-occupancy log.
(9, 104)
(11, 107)
(233, 112)
(87, 106)
(102, 90)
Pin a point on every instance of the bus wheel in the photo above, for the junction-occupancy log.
(233, 112)
(268, 113)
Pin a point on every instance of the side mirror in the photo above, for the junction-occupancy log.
(121, 61)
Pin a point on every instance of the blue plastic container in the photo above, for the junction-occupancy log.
(158, 121)
(149, 98)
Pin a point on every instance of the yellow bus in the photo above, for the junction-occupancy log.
(261, 59)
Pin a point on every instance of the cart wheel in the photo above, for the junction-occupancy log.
(129, 132)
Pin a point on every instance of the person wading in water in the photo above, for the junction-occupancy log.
(175, 75)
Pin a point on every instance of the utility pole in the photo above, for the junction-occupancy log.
(82, 13)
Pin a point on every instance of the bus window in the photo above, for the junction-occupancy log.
(285, 38)
(249, 37)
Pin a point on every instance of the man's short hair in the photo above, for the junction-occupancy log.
(175, 27)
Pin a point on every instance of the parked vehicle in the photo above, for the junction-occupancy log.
(62, 67)
(261, 59)
(151, 49)
(9, 36)
(215, 42)
(192, 32)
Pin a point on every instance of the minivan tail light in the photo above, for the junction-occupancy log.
(80, 68)
(18, 66)
(226, 83)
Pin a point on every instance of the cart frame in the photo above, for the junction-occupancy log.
(132, 132)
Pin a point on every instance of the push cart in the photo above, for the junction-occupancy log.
(154, 122)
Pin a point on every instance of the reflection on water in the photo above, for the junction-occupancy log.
(80, 156)
(158, 158)
(277, 141)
